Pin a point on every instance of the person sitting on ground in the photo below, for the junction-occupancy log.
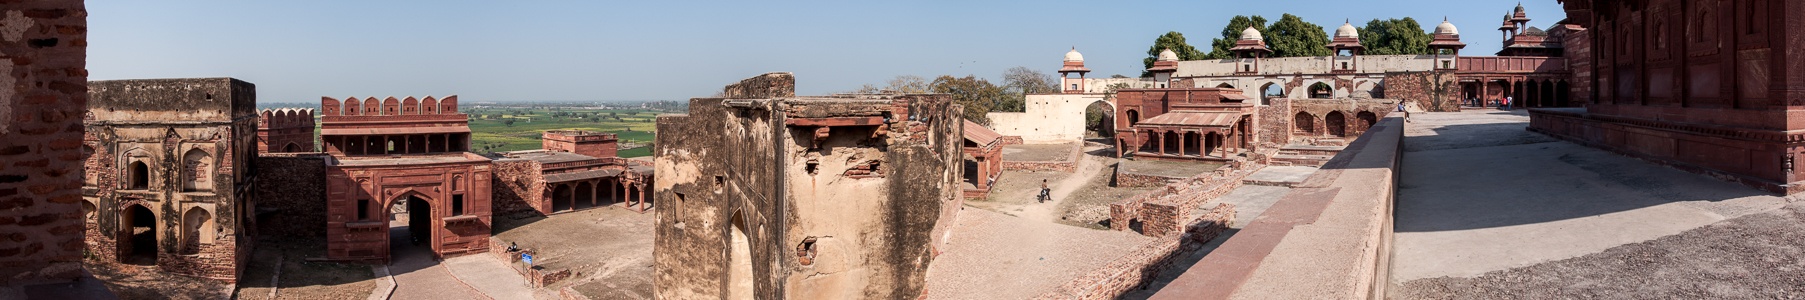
(1044, 191)
(513, 247)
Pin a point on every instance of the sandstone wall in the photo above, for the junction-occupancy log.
(517, 181)
(43, 94)
(1138, 268)
(1437, 91)
(291, 195)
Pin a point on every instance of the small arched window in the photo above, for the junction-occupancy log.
(197, 170)
(139, 175)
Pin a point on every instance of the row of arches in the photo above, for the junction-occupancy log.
(1522, 93)
(139, 235)
(389, 106)
(571, 196)
(1334, 123)
(196, 171)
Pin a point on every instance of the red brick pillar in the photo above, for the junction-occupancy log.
(983, 173)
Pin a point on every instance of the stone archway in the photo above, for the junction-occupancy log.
(1272, 90)
(1336, 123)
(1367, 119)
(1100, 117)
(1321, 90)
(739, 272)
(1304, 123)
(138, 240)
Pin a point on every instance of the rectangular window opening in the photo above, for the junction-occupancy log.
(363, 209)
(457, 205)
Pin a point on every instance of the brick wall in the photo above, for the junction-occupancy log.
(516, 181)
(1139, 267)
(1275, 123)
(1162, 211)
(219, 260)
(291, 195)
(42, 99)
(1432, 90)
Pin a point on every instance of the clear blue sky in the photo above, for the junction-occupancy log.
(297, 51)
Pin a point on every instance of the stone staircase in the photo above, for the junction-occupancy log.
(1305, 155)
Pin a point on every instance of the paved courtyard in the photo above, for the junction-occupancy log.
(1486, 209)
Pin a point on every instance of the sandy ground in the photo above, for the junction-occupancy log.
(146, 282)
(1047, 152)
(1168, 168)
(1478, 195)
(302, 279)
(996, 256)
(610, 246)
(1753, 257)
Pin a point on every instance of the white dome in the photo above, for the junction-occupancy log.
(1251, 34)
(1168, 55)
(1446, 28)
(1347, 30)
(1074, 56)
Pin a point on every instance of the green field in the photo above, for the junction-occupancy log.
(492, 134)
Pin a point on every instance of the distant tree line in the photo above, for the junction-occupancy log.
(1291, 36)
(978, 95)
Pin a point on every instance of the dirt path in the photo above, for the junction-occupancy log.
(1087, 168)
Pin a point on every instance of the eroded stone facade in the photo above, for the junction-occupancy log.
(768, 195)
(168, 182)
(286, 130)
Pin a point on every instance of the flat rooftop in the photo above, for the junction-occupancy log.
(545, 157)
(1486, 209)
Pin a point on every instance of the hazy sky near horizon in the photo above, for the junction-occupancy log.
(298, 51)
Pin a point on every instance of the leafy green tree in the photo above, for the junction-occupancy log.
(508, 122)
(1171, 40)
(1395, 37)
(1232, 34)
(1292, 37)
(978, 96)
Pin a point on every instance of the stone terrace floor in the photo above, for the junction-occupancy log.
(1040, 152)
(1486, 209)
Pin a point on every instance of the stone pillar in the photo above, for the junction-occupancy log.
(983, 173)
(1484, 91)
(1182, 140)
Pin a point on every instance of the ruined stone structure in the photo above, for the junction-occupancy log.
(1710, 86)
(286, 130)
(1184, 123)
(767, 195)
(402, 160)
(168, 177)
(575, 170)
(43, 94)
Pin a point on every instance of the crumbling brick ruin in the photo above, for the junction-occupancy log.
(402, 160)
(576, 170)
(168, 178)
(285, 130)
(43, 94)
(771, 196)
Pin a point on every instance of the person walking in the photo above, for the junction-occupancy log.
(1506, 104)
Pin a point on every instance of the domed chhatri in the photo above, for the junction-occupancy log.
(1074, 56)
(1168, 55)
(1347, 30)
(1446, 28)
(1251, 34)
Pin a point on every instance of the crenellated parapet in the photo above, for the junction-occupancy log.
(390, 106)
(285, 118)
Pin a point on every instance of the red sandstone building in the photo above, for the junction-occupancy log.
(575, 170)
(1716, 87)
(1184, 123)
(402, 163)
(983, 158)
(285, 130)
(1533, 68)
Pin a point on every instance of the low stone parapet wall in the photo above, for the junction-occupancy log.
(1038, 166)
(537, 277)
(1329, 238)
(1138, 268)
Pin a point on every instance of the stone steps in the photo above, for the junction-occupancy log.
(1300, 160)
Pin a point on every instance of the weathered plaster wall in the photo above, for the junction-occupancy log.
(1436, 91)
(1048, 119)
(196, 139)
(837, 197)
